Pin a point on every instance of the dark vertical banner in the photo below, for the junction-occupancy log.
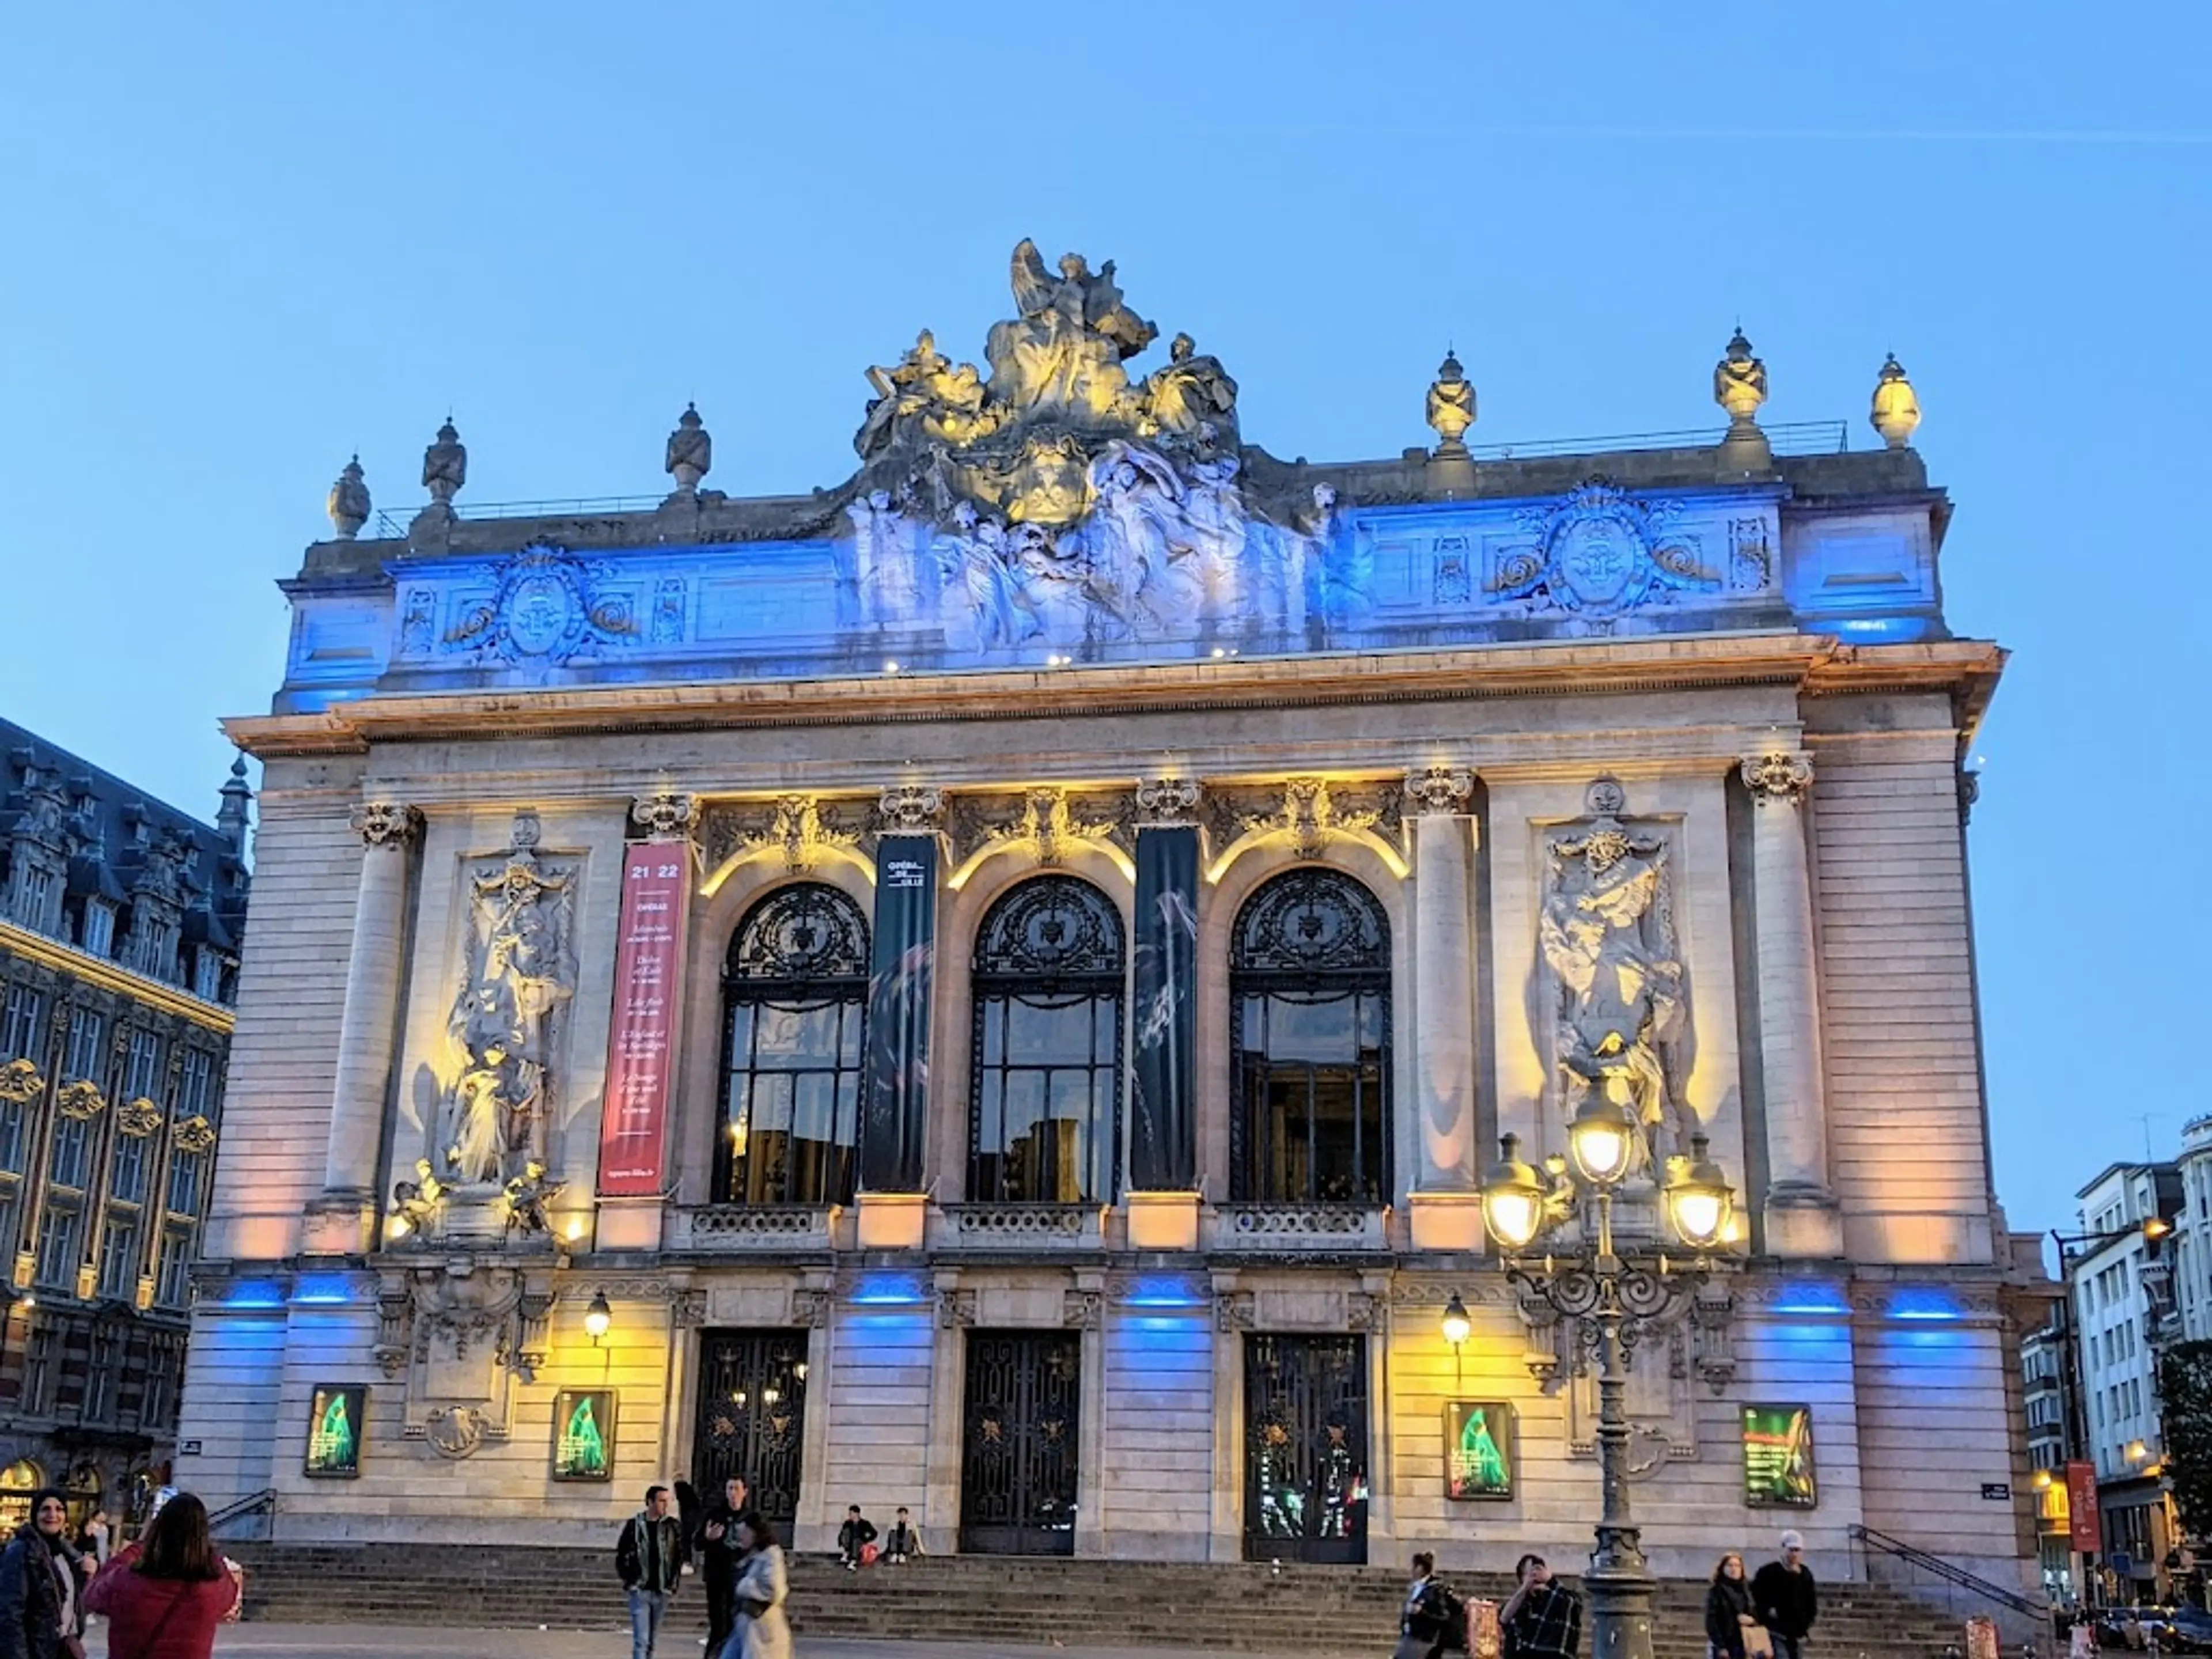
(895, 1090)
(1163, 1126)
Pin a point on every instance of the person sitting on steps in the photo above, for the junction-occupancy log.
(904, 1543)
(853, 1539)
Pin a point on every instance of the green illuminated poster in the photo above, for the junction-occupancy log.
(1478, 1450)
(334, 1426)
(1778, 1457)
(584, 1434)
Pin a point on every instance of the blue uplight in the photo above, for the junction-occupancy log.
(1924, 1304)
(322, 1290)
(1165, 1293)
(255, 1293)
(1812, 1297)
(890, 1290)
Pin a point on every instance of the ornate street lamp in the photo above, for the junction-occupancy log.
(598, 1318)
(1625, 1300)
(1457, 1327)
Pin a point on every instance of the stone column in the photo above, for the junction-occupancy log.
(1446, 1211)
(1163, 1196)
(1801, 1213)
(894, 1089)
(343, 1221)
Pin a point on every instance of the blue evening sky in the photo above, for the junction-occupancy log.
(240, 241)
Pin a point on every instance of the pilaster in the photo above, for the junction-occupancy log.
(1446, 1215)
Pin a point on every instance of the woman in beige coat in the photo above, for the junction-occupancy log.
(762, 1631)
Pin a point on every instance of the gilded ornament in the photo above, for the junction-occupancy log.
(1783, 776)
(1438, 789)
(138, 1118)
(19, 1082)
(1896, 412)
(1451, 406)
(81, 1100)
(194, 1135)
(1740, 386)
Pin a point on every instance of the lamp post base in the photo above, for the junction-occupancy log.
(1620, 1589)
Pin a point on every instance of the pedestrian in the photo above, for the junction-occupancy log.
(649, 1556)
(904, 1543)
(762, 1631)
(1728, 1616)
(42, 1586)
(716, 1546)
(1422, 1622)
(1785, 1599)
(855, 1537)
(98, 1541)
(164, 1596)
(1542, 1619)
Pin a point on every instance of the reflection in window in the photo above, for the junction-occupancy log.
(1310, 993)
(795, 993)
(1045, 1094)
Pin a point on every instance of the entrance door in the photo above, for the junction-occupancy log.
(1018, 1459)
(1305, 1449)
(753, 1417)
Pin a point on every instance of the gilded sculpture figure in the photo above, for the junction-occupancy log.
(1607, 933)
(1191, 399)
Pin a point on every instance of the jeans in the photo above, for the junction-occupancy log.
(1785, 1647)
(646, 1607)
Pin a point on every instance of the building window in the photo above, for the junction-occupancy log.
(35, 1394)
(173, 1277)
(68, 1164)
(142, 1070)
(795, 997)
(20, 1020)
(196, 1086)
(11, 1136)
(100, 1376)
(128, 1184)
(11, 1200)
(207, 974)
(87, 1033)
(98, 928)
(1310, 1010)
(119, 1259)
(157, 1402)
(185, 1169)
(1044, 1102)
(59, 1254)
(37, 894)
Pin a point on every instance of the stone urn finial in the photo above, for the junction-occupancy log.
(1451, 405)
(690, 451)
(1896, 413)
(445, 466)
(1740, 384)
(349, 500)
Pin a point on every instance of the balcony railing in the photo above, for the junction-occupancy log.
(1019, 1227)
(1300, 1227)
(723, 1228)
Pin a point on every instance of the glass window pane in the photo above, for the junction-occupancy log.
(994, 1031)
(814, 1104)
(1299, 1029)
(771, 1102)
(1070, 1096)
(848, 1029)
(741, 1035)
(1045, 1034)
(1024, 1105)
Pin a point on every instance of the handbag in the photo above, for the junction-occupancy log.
(1758, 1643)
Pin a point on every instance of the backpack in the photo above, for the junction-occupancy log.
(1453, 1609)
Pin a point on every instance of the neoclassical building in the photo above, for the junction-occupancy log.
(993, 988)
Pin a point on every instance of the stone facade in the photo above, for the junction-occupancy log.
(1364, 812)
(120, 924)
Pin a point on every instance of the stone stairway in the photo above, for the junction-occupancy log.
(1313, 1611)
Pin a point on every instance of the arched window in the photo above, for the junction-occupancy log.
(795, 993)
(1310, 998)
(1045, 1103)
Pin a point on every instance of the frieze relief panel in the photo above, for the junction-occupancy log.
(1048, 822)
(1309, 810)
(798, 829)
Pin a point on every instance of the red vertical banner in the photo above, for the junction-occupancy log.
(2086, 1535)
(641, 1050)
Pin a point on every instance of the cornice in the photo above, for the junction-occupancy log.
(1818, 664)
(110, 976)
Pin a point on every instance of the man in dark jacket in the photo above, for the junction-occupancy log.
(649, 1556)
(1785, 1599)
(855, 1536)
(716, 1544)
(1542, 1619)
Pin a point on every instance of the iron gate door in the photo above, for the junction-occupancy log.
(1018, 1459)
(752, 1417)
(1305, 1449)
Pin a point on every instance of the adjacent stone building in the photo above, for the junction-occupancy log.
(120, 920)
(993, 988)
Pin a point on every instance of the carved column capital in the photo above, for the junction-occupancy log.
(666, 816)
(911, 809)
(1083, 1310)
(385, 824)
(1781, 776)
(1168, 801)
(1439, 790)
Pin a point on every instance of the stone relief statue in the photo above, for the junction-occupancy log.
(505, 1022)
(1060, 506)
(1607, 933)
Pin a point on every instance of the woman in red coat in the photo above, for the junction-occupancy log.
(164, 1596)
